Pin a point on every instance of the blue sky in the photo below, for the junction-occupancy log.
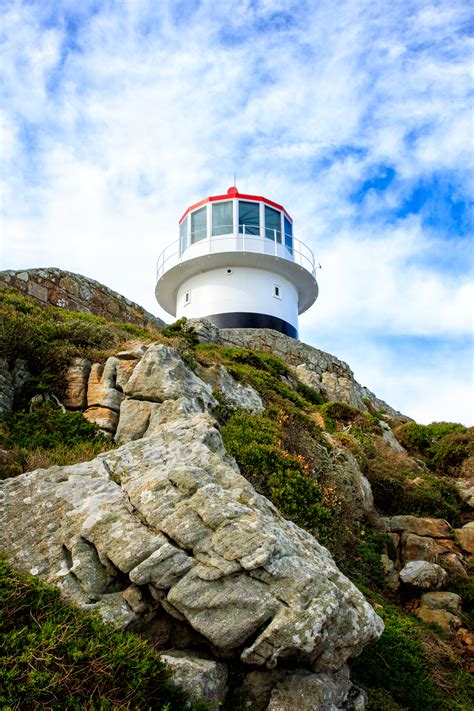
(356, 115)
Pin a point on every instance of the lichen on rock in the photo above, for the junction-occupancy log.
(250, 582)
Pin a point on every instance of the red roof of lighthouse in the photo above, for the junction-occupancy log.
(234, 193)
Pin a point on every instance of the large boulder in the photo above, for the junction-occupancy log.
(169, 520)
(161, 375)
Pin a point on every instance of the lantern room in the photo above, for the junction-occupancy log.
(237, 263)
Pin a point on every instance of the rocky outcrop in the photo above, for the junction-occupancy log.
(164, 533)
(233, 393)
(77, 378)
(165, 527)
(126, 396)
(323, 372)
(430, 540)
(56, 287)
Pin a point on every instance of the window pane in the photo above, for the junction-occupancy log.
(272, 224)
(198, 225)
(183, 235)
(288, 235)
(249, 217)
(222, 218)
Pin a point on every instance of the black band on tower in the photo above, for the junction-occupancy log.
(249, 320)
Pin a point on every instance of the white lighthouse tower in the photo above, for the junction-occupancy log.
(237, 264)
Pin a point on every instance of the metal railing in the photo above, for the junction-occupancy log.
(239, 238)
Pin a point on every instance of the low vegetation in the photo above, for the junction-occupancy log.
(54, 656)
(443, 446)
(290, 453)
(48, 338)
(411, 666)
(47, 436)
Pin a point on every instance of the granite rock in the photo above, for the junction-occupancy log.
(233, 393)
(423, 575)
(77, 377)
(161, 375)
(200, 677)
(171, 513)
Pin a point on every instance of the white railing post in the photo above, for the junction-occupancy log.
(275, 241)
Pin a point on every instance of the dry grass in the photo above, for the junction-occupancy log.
(61, 455)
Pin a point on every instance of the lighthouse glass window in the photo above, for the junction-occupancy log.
(249, 218)
(288, 235)
(272, 224)
(183, 235)
(222, 218)
(198, 225)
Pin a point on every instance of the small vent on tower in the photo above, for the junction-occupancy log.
(187, 298)
(276, 291)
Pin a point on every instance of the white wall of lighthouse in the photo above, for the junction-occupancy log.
(238, 289)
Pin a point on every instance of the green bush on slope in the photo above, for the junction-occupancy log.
(255, 442)
(400, 484)
(410, 667)
(48, 436)
(48, 339)
(444, 446)
(55, 656)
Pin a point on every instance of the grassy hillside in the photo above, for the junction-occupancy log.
(54, 656)
(297, 453)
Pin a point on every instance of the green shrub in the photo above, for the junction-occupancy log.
(361, 559)
(45, 427)
(257, 359)
(57, 657)
(47, 339)
(255, 442)
(417, 439)
(337, 414)
(447, 454)
(400, 486)
(309, 394)
(45, 437)
(465, 588)
(183, 332)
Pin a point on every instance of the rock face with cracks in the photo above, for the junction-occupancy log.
(163, 535)
(172, 515)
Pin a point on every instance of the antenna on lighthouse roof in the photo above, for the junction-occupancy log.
(235, 178)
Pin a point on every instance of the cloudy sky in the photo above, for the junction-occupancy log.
(355, 114)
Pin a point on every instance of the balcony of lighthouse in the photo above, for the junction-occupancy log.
(244, 239)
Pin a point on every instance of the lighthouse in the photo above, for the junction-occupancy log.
(237, 263)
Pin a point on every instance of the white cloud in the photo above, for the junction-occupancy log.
(117, 119)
